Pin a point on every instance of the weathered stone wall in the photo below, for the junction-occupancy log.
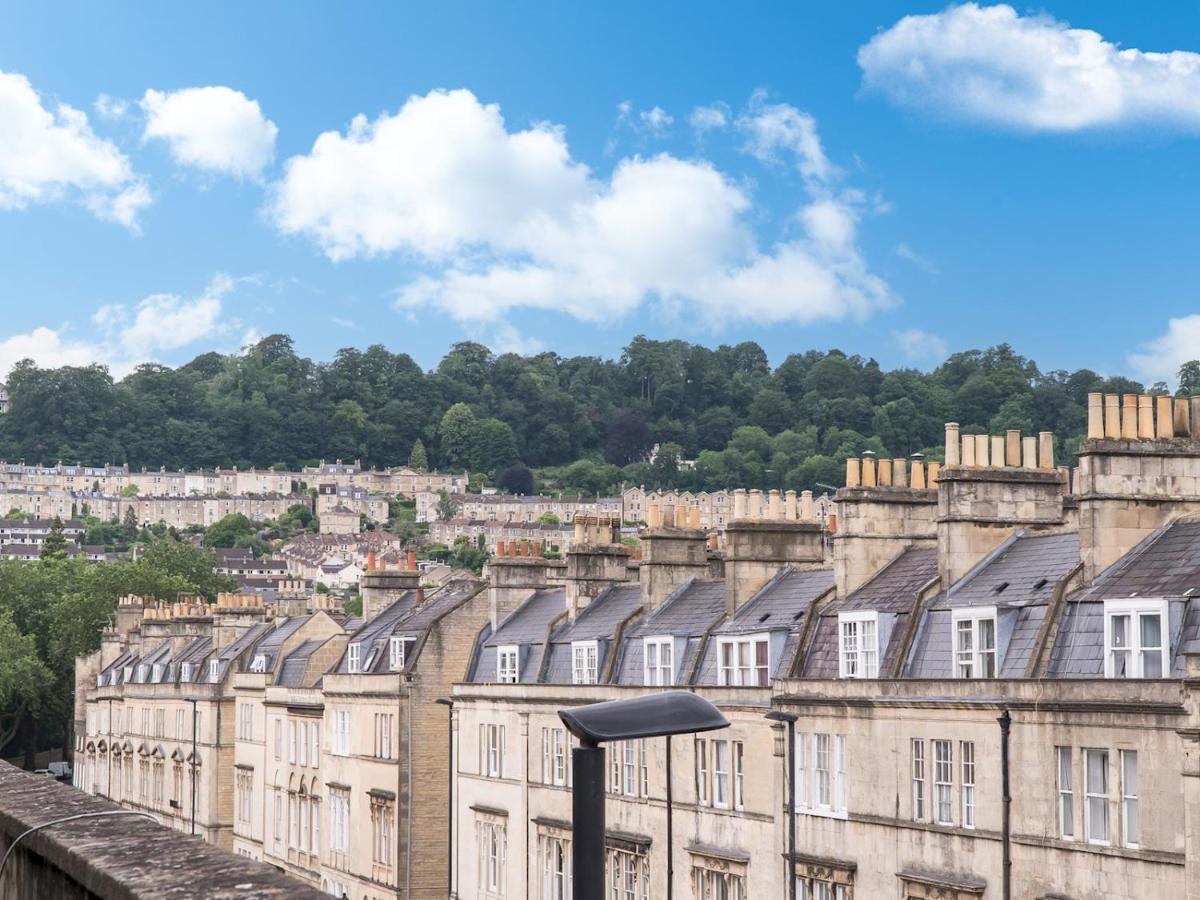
(978, 507)
(116, 857)
(1127, 489)
(874, 526)
(755, 551)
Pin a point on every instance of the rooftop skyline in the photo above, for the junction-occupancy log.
(898, 180)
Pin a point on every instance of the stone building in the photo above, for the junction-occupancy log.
(987, 620)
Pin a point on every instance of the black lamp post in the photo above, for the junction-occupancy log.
(654, 715)
(776, 715)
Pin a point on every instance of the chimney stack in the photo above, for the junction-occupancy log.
(1138, 469)
(595, 561)
(994, 492)
(670, 557)
(756, 549)
(876, 523)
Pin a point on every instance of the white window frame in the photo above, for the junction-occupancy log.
(943, 782)
(1090, 829)
(508, 669)
(259, 663)
(1135, 610)
(737, 661)
(858, 644)
(1130, 818)
(966, 755)
(214, 671)
(354, 658)
(588, 671)
(396, 654)
(919, 774)
(341, 732)
(721, 767)
(1064, 782)
(655, 671)
(973, 656)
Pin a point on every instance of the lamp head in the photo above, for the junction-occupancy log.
(654, 715)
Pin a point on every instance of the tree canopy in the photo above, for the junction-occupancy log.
(581, 423)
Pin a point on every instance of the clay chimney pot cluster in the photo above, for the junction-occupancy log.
(1142, 417)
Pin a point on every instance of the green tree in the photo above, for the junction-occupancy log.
(447, 509)
(1189, 377)
(130, 526)
(417, 458)
(457, 433)
(54, 547)
(233, 530)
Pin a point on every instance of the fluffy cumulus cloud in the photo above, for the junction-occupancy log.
(215, 129)
(709, 118)
(503, 219)
(778, 132)
(921, 346)
(123, 335)
(991, 64)
(50, 153)
(1160, 358)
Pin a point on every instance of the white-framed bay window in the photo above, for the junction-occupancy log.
(858, 644)
(659, 660)
(974, 642)
(507, 670)
(584, 656)
(1135, 638)
(744, 660)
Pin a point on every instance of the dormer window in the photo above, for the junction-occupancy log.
(858, 644)
(397, 653)
(974, 642)
(99, 681)
(185, 672)
(507, 668)
(214, 671)
(583, 658)
(744, 661)
(259, 663)
(141, 672)
(127, 674)
(1135, 644)
(156, 673)
(354, 658)
(659, 661)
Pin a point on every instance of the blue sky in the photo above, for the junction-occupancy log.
(538, 176)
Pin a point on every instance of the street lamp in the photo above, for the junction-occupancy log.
(790, 720)
(655, 715)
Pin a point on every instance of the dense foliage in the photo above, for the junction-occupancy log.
(53, 610)
(582, 423)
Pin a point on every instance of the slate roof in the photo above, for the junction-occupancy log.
(291, 672)
(1024, 569)
(1166, 564)
(892, 590)
(687, 614)
(525, 627)
(598, 622)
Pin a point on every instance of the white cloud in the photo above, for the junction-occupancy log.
(48, 155)
(343, 323)
(1028, 72)
(657, 121)
(216, 129)
(501, 220)
(709, 118)
(1160, 358)
(125, 336)
(917, 345)
(904, 251)
(774, 130)
(111, 107)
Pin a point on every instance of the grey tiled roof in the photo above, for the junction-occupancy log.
(529, 621)
(1167, 564)
(602, 616)
(782, 603)
(1024, 569)
(687, 614)
(894, 587)
(291, 672)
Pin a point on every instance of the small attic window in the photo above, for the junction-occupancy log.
(796, 617)
(764, 617)
(1041, 584)
(999, 589)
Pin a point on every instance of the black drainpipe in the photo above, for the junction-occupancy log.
(1005, 721)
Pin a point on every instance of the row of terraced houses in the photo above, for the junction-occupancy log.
(994, 620)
